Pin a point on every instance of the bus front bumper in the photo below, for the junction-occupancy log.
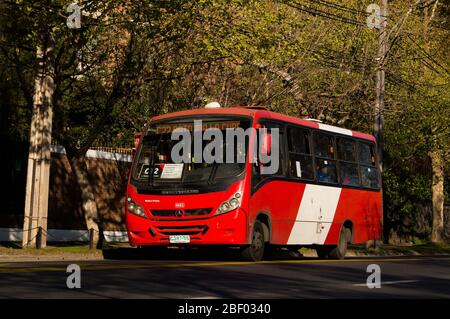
(225, 229)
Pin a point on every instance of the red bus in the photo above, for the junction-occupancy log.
(324, 194)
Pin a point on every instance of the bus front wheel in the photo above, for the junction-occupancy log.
(255, 251)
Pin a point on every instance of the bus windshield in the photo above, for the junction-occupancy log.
(201, 163)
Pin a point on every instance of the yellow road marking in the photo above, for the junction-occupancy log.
(201, 264)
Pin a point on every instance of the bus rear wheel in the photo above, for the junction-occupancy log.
(336, 251)
(255, 251)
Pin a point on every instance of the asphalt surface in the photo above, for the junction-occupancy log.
(185, 275)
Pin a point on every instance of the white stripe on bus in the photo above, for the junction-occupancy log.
(318, 204)
(335, 129)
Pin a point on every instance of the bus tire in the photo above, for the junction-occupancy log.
(338, 251)
(255, 251)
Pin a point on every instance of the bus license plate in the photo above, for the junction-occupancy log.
(179, 239)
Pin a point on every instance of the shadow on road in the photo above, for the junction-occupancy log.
(190, 254)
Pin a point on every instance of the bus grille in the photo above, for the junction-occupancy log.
(187, 212)
(197, 212)
(164, 213)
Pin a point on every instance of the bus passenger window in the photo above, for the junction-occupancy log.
(300, 166)
(366, 154)
(323, 145)
(346, 149)
(298, 140)
(326, 171)
(369, 177)
(300, 161)
(349, 174)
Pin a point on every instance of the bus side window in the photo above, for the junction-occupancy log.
(349, 174)
(369, 177)
(260, 170)
(323, 145)
(300, 163)
(348, 168)
(368, 171)
(326, 170)
(366, 154)
(346, 149)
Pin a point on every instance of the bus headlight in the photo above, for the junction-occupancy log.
(134, 208)
(231, 204)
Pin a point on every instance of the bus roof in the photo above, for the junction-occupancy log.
(261, 112)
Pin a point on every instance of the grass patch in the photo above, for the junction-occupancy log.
(68, 248)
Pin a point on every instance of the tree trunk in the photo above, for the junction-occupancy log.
(437, 187)
(79, 169)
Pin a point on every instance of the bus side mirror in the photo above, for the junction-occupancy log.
(137, 139)
(266, 143)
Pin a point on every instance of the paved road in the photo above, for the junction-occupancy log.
(183, 275)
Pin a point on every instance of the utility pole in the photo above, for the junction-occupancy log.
(380, 89)
(380, 84)
(38, 171)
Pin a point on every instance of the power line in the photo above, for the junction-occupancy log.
(339, 7)
(344, 8)
(316, 12)
(336, 6)
(426, 54)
